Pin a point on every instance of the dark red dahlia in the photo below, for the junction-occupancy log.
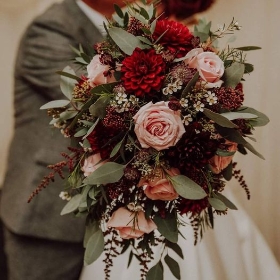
(175, 36)
(143, 72)
(99, 139)
(195, 148)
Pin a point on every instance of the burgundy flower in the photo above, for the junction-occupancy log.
(98, 140)
(143, 72)
(175, 36)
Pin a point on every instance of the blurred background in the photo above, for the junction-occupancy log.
(260, 27)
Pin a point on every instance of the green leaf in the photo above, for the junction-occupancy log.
(187, 188)
(227, 172)
(125, 40)
(167, 226)
(104, 88)
(253, 150)
(231, 135)
(224, 153)
(173, 266)
(238, 115)
(72, 204)
(109, 172)
(202, 30)
(156, 272)
(190, 85)
(144, 13)
(117, 148)
(217, 204)
(248, 68)
(55, 104)
(233, 74)
(68, 114)
(81, 132)
(175, 247)
(261, 119)
(219, 119)
(98, 109)
(68, 75)
(226, 201)
(91, 228)
(67, 84)
(119, 11)
(91, 129)
(94, 248)
(248, 48)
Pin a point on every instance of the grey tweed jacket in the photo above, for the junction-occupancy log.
(43, 50)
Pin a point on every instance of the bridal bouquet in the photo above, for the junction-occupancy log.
(154, 123)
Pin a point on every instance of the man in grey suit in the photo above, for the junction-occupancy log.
(39, 243)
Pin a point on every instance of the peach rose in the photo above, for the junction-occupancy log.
(157, 126)
(92, 163)
(160, 188)
(208, 64)
(219, 163)
(96, 71)
(130, 226)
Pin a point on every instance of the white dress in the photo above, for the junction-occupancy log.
(234, 250)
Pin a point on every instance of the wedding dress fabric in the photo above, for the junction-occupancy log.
(235, 249)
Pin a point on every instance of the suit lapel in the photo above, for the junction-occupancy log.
(85, 32)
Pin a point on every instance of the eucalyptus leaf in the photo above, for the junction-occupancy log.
(125, 40)
(167, 226)
(104, 88)
(67, 84)
(261, 119)
(176, 248)
(253, 150)
(231, 135)
(81, 60)
(238, 115)
(118, 11)
(217, 204)
(226, 201)
(72, 205)
(248, 68)
(98, 109)
(117, 148)
(227, 172)
(173, 266)
(94, 248)
(223, 153)
(156, 272)
(248, 48)
(55, 104)
(233, 74)
(190, 85)
(81, 132)
(68, 114)
(109, 172)
(202, 30)
(91, 228)
(91, 129)
(219, 119)
(187, 188)
(68, 75)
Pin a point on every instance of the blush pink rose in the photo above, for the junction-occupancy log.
(96, 72)
(157, 126)
(209, 65)
(160, 188)
(219, 163)
(91, 163)
(131, 224)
